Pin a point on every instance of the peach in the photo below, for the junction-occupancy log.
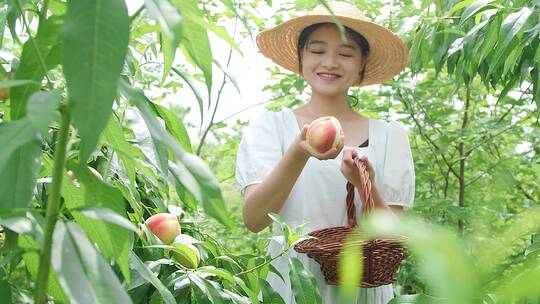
(165, 226)
(4, 93)
(324, 133)
(186, 255)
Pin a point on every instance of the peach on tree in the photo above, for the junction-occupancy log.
(164, 226)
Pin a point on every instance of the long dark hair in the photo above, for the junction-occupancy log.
(358, 38)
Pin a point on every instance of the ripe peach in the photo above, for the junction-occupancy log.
(324, 133)
(165, 226)
(186, 255)
(4, 93)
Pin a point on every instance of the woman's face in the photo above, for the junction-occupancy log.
(330, 65)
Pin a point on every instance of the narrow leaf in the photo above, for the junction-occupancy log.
(113, 136)
(31, 261)
(303, 283)
(82, 272)
(175, 127)
(195, 42)
(49, 48)
(269, 295)
(106, 215)
(475, 8)
(21, 151)
(96, 35)
(113, 241)
(168, 17)
(193, 88)
(15, 83)
(512, 25)
(143, 270)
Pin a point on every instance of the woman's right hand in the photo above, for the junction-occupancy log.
(330, 154)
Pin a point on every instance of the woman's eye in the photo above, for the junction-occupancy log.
(317, 52)
(346, 55)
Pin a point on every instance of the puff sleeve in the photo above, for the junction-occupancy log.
(259, 151)
(398, 183)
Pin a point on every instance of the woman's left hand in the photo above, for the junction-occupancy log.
(350, 170)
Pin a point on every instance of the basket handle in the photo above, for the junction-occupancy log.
(365, 194)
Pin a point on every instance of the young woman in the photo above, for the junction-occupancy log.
(277, 171)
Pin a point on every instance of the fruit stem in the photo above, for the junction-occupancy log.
(53, 205)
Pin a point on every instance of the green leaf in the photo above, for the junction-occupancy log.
(106, 215)
(5, 292)
(113, 241)
(19, 224)
(499, 58)
(441, 255)
(3, 21)
(15, 83)
(536, 89)
(96, 35)
(195, 43)
(169, 52)
(511, 25)
(143, 270)
(193, 88)
(460, 5)
(231, 5)
(49, 48)
(193, 173)
(13, 135)
(475, 8)
(13, 12)
(520, 282)
(414, 299)
(490, 38)
(31, 261)
(82, 272)
(508, 39)
(168, 17)
(303, 283)
(113, 136)
(175, 126)
(269, 295)
(21, 149)
(416, 62)
(221, 32)
(57, 7)
(188, 169)
(350, 264)
(219, 272)
(251, 294)
(534, 248)
(228, 75)
(210, 291)
(18, 176)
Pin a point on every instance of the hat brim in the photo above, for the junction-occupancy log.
(388, 54)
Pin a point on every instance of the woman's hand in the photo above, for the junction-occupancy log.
(350, 170)
(330, 154)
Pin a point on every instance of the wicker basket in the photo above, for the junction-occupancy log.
(381, 257)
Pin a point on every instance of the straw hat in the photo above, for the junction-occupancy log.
(388, 54)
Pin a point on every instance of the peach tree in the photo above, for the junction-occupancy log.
(88, 156)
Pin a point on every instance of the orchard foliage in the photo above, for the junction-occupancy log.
(82, 89)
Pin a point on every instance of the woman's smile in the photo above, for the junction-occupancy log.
(328, 76)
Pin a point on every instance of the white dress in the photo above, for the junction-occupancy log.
(318, 197)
